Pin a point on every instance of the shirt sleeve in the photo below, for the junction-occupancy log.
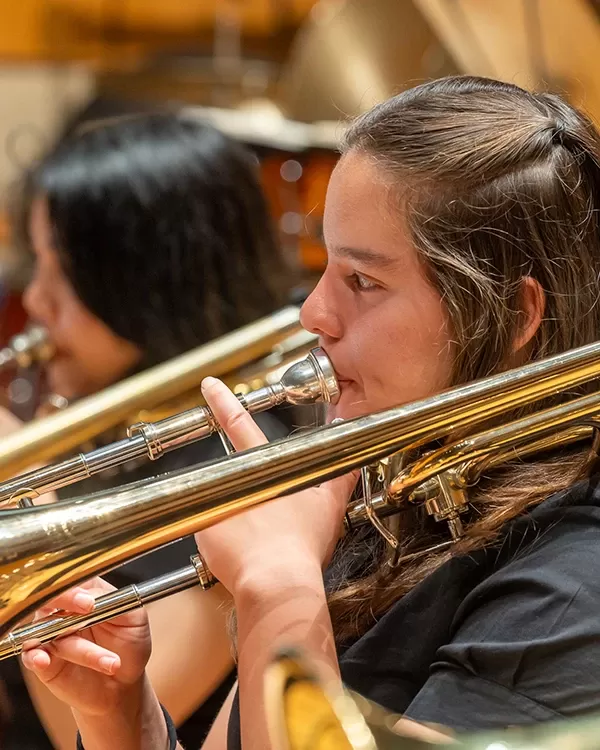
(525, 643)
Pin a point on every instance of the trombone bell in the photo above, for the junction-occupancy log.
(304, 714)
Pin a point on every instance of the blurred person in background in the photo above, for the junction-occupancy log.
(150, 236)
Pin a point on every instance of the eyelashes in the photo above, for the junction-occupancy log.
(361, 283)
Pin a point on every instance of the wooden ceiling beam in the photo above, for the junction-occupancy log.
(96, 30)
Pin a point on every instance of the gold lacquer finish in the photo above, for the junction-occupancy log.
(306, 382)
(55, 435)
(305, 714)
(48, 549)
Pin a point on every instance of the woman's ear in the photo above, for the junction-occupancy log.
(533, 306)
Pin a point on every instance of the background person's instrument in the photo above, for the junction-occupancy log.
(45, 550)
(22, 363)
(26, 348)
(58, 433)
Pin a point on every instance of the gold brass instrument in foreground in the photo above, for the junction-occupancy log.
(306, 382)
(46, 550)
(304, 714)
(55, 435)
(303, 383)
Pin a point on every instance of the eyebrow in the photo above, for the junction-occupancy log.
(367, 257)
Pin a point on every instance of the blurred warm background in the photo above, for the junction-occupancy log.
(281, 75)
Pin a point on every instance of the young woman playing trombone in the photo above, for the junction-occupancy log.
(463, 232)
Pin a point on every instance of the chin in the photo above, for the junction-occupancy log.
(349, 406)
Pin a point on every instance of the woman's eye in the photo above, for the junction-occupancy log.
(362, 283)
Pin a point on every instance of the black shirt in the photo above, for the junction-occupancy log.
(24, 731)
(504, 636)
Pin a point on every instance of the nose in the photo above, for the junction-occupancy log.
(37, 302)
(318, 314)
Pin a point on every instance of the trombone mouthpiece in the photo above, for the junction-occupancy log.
(310, 380)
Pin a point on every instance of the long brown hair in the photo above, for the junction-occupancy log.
(496, 184)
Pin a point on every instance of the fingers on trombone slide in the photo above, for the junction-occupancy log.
(75, 650)
(234, 421)
(77, 601)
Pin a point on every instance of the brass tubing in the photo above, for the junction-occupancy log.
(305, 382)
(48, 549)
(55, 435)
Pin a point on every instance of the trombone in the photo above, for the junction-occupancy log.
(54, 435)
(27, 348)
(303, 383)
(46, 550)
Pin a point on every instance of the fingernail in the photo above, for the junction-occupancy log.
(208, 382)
(40, 661)
(107, 664)
(83, 600)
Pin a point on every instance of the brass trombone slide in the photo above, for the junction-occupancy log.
(306, 382)
(48, 549)
(303, 383)
(58, 433)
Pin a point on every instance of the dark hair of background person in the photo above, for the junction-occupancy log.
(162, 228)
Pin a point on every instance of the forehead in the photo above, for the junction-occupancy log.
(41, 236)
(362, 210)
(357, 183)
(39, 223)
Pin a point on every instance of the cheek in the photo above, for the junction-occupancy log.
(81, 335)
(404, 352)
(74, 324)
